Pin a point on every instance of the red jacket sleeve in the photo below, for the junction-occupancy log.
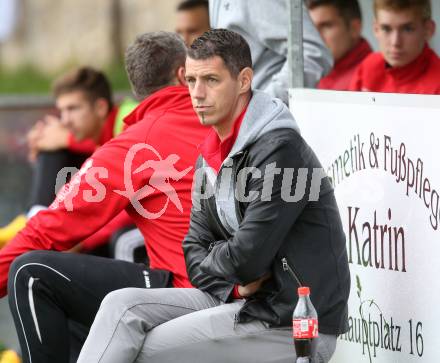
(86, 146)
(82, 206)
(235, 293)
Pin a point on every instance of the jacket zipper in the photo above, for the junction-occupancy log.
(222, 228)
(214, 218)
(213, 210)
(236, 319)
(235, 168)
(292, 272)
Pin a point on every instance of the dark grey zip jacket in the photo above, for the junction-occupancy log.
(259, 220)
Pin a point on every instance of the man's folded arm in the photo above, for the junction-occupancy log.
(196, 247)
(250, 253)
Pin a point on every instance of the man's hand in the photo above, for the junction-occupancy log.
(32, 137)
(75, 249)
(54, 136)
(253, 287)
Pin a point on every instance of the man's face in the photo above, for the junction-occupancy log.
(214, 91)
(192, 23)
(339, 36)
(79, 115)
(401, 35)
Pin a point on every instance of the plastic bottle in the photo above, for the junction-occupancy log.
(305, 326)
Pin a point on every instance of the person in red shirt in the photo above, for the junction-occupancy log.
(192, 20)
(340, 24)
(87, 118)
(46, 289)
(405, 63)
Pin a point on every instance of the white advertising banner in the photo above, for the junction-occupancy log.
(382, 153)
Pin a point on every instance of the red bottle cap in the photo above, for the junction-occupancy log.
(303, 291)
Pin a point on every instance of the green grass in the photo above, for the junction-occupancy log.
(29, 80)
(25, 80)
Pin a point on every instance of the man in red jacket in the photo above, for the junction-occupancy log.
(405, 63)
(87, 118)
(340, 24)
(146, 170)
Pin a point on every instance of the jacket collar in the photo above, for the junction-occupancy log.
(354, 56)
(107, 129)
(215, 151)
(413, 70)
(162, 99)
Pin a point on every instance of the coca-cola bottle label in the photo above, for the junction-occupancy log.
(305, 328)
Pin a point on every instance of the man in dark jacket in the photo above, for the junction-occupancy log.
(264, 222)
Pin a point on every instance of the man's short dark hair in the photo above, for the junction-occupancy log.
(92, 83)
(152, 61)
(422, 6)
(228, 45)
(348, 9)
(192, 4)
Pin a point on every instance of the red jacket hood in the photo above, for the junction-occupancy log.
(174, 96)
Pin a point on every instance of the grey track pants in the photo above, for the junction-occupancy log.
(185, 325)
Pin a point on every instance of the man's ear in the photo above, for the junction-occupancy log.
(102, 108)
(355, 28)
(245, 79)
(429, 29)
(376, 28)
(180, 76)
